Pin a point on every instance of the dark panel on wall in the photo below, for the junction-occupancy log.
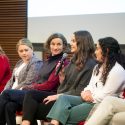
(40, 47)
(13, 26)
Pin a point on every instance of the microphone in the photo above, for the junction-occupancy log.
(61, 63)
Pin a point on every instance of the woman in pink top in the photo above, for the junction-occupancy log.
(5, 72)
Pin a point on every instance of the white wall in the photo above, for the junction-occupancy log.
(100, 25)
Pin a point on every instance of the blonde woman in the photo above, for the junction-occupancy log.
(25, 72)
(48, 81)
(26, 69)
(76, 76)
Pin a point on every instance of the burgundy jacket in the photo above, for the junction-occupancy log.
(48, 81)
(52, 83)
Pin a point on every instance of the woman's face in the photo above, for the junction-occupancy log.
(56, 46)
(73, 44)
(25, 53)
(98, 53)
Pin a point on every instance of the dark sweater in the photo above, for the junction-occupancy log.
(76, 80)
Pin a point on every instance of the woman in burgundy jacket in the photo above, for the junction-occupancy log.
(11, 100)
(5, 72)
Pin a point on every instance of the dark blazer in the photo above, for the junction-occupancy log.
(76, 80)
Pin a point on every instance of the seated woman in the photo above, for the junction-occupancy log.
(5, 71)
(111, 111)
(75, 77)
(26, 69)
(108, 78)
(24, 73)
(48, 81)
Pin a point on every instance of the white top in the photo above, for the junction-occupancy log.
(114, 84)
(17, 71)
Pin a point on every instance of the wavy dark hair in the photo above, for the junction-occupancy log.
(86, 47)
(112, 53)
(53, 36)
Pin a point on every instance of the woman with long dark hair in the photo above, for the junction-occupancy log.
(108, 78)
(75, 78)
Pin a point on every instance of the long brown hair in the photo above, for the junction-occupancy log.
(53, 36)
(86, 47)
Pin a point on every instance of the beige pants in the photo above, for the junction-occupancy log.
(110, 112)
(118, 119)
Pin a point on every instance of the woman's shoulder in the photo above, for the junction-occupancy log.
(3, 57)
(4, 60)
(35, 59)
(19, 62)
(118, 70)
(91, 62)
(118, 67)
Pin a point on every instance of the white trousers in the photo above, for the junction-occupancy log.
(111, 111)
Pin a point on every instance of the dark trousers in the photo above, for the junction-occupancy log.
(10, 102)
(33, 106)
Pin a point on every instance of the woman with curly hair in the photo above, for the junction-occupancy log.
(74, 79)
(108, 78)
(46, 80)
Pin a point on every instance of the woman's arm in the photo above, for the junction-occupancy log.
(51, 84)
(31, 75)
(114, 85)
(51, 98)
